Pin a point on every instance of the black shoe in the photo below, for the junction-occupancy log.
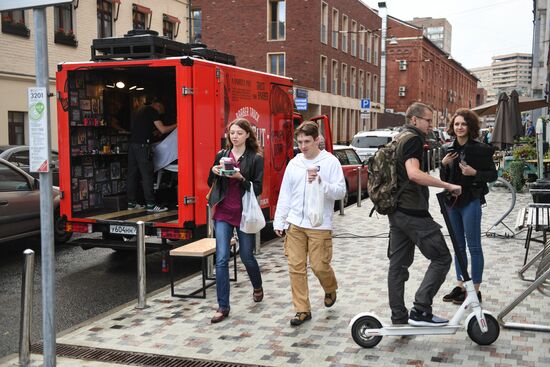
(330, 299)
(459, 300)
(300, 318)
(456, 293)
(417, 318)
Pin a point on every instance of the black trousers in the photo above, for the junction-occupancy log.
(140, 163)
(406, 232)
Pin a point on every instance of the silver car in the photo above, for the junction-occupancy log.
(19, 156)
(20, 206)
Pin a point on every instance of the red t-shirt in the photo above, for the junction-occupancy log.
(230, 208)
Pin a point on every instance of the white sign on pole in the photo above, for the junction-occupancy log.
(25, 4)
(38, 130)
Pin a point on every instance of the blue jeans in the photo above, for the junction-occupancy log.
(466, 222)
(224, 233)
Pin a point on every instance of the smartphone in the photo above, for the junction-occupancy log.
(450, 150)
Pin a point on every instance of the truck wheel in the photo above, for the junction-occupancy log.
(60, 234)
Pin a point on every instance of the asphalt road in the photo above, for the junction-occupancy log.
(87, 283)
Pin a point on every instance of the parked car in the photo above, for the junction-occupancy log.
(351, 163)
(366, 143)
(19, 156)
(20, 206)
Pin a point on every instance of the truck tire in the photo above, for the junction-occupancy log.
(59, 233)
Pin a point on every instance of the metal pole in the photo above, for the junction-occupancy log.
(209, 234)
(428, 156)
(359, 186)
(46, 200)
(341, 206)
(27, 290)
(384, 15)
(141, 265)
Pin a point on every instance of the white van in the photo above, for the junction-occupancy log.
(366, 143)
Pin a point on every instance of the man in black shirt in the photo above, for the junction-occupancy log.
(140, 156)
(411, 224)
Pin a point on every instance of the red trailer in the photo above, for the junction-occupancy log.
(201, 96)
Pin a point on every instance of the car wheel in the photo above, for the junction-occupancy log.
(60, 234)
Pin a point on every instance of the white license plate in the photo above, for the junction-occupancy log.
(118, 229)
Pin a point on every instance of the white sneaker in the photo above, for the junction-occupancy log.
(132, 206)
(156, 209)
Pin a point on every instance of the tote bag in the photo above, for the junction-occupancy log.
(315, 201)
(252, 219)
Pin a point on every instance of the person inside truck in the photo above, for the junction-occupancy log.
(228, 187)
(140, 155)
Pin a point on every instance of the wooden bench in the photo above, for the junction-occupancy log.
(202, 248)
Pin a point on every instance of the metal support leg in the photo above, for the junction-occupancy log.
(209, 234)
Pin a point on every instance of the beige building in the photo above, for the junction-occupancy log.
(485, 76)
(437, 30)
(71, 29)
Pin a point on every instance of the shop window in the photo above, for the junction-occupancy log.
(13, 22)
(63, 25)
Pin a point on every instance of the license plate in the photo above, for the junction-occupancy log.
(118, 229)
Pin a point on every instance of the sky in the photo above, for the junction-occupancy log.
(481, 28)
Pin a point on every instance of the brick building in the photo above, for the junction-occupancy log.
(330, 48)
(71, 29)
(418, 70)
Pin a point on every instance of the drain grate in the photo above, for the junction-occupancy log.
(131, 358)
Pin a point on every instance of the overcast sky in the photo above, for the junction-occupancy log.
(481, 28)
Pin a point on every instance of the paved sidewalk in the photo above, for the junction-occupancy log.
(259, 333)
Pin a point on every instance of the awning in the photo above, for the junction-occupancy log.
(170, 18)
(141, 9)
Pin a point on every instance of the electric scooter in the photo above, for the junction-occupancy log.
(367, 331)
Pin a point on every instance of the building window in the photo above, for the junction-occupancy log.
(324, 23)
(353, 82)
(196, 27)
(324, 74)
(170, 26)
(16, 128)
(63, 25)
(141, 17)
(375, 88)
(335, 28)
(13, 22)
(361, 91)
(104, 19)
(276, 64)
(369, 84)
(334, 72)
(277, 19)
(369, 46)
(344, 78)
(353, 38)
(345, 31)
(375, 48)
(362, 43)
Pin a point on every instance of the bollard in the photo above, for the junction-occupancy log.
(359, 186)
(429, 166)
(341, 206)
(27, 290)
(209, 234)
(141, 265)
(434, 158)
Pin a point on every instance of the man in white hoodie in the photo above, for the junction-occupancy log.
(302, 238)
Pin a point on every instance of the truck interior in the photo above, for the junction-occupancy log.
(101, 103)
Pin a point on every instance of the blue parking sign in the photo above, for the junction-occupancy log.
(365, 104)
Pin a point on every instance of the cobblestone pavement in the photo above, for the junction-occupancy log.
(259, 333)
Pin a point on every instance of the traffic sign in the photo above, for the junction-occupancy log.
(365, 104)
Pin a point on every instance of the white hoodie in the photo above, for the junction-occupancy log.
(291, 203)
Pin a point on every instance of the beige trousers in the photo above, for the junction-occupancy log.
(317, 244)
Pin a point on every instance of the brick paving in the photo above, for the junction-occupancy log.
(259, 333)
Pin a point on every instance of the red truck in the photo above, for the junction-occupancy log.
(96, 100)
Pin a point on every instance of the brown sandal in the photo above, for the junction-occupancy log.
(220, 315)
(258, 294)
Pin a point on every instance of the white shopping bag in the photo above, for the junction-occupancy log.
(252, 219)
(315, 201)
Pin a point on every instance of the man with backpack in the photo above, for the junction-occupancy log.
(412, 225)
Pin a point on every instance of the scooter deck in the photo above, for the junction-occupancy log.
(395, 330)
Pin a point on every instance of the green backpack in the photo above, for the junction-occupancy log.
(382, 178)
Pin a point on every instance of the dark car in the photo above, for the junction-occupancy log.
(20, 206)
(351, 165)
(19, 156)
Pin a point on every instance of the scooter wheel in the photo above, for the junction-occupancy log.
(359, 335)
(481, 338)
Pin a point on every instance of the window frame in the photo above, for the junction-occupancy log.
(345, 30)
(103, 17)
(12, 128)
(324, 22)
(344, 80)
(11, 26)
(323, 76)
(353, 39)
(278, 36)
(334, 77)
(195, 27)
(64, 33)
(335, 28)
(268, 67)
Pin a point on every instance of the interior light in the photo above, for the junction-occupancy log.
(140, 88)
(109, 86)
(120, 85)
(132, 87)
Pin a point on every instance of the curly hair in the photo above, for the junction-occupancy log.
(471, 118)
(251, 141)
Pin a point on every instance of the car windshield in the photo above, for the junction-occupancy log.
(370, 141)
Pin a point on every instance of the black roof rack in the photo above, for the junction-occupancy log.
(146, 44)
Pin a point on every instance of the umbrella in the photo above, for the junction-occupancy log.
(504, 132)
(515, 113)
(524, 104)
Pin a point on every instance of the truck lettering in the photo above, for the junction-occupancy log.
(243, 112)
